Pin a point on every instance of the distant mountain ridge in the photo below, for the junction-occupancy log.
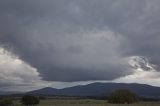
(100, 89)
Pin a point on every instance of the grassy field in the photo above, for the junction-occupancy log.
(88, 102)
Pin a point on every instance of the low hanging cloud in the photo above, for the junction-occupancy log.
(57, 47)
(82, 40)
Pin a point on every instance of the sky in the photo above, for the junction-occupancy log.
(62, 43)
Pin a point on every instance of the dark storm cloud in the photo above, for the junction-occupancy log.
(76, 40)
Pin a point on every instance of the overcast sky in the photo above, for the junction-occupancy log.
(62, 43)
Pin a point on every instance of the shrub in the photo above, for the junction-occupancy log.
(42, 97)
(30, 100)
(122, 96)
(6, 102)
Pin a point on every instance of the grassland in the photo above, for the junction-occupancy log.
(87, 102)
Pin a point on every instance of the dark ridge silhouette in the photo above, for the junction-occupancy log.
(101, 89)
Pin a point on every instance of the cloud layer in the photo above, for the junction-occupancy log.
(81, 40)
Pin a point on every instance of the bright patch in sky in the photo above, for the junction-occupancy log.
(14, 71)
(144, 72)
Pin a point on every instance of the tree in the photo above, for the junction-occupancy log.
(30, 100)
(6, 102)
(122, 96)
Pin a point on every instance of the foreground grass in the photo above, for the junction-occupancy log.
(88, 102)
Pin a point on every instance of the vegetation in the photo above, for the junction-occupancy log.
(122, 96)
(30, 100)
(52, 101)
(6, 102)
(89, 102)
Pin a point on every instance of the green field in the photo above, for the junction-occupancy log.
(87, 102)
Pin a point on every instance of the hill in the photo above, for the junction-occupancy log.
(101, 89)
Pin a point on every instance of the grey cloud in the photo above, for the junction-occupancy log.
(80, 40)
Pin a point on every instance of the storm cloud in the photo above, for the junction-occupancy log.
(81, 40)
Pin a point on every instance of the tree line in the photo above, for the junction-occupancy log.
(120, 96)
